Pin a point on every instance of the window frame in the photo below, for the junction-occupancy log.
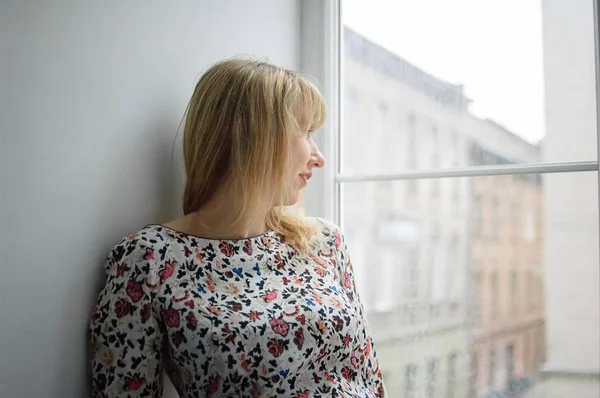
(321, 33)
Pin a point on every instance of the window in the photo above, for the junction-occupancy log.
(473, 386)
(354, 116)
(410, 378)
(495, 107)
(412, 148)
(475, 308)
(387, 140)
(516, 219)
(455, 187)
(438, 271)
(494, 295)
(431, 377)
(531, 290)
(492, 369)
(510, 369)
(386, 274)
(411, 156)
(526, 352)
(494, 230)
(451, 389)
(412, 273)
(435, 150)
(514, 291)
(477, 217)
(384, 197)
(529, 226)
(454, 283)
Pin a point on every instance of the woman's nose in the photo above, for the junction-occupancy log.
(316, 158)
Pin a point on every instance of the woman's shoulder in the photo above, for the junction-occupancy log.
(328, 234)
(143, 248)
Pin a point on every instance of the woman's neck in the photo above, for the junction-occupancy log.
(216, 220)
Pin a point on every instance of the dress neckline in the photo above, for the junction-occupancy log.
(267, 234)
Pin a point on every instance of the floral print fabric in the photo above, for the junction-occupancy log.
(244, 318)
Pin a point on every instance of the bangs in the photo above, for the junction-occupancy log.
(310, 105)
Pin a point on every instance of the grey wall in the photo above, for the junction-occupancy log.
(92, 94)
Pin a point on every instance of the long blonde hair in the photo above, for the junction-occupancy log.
(239, 122)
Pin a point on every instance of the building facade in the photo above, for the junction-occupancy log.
(506, 320)
(422, 271)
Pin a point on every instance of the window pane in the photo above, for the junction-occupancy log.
(454, 291)
(456, 87)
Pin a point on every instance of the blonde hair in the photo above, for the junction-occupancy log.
(239, 122)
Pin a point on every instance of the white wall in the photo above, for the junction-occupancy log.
(571, 200)
(92, 94)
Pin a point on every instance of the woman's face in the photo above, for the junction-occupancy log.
(304, 157)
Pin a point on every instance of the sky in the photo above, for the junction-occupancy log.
(493, 47)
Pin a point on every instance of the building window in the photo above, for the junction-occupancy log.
(495, 221)
(383, 131)
(492, 369)
(435, 184)
(451, 389)
(455, 186)
(514, 291)
(411, 158)
(453, 284)
(530, 290)
(454, 144)
(494, 292)
(412, 273)
(515, 224)
(431, 377)
(473, 385)
(435, 148)
(385, 293)
(529, 225)
(477, 219)
(412, 147)
(510, 370)
(438, 270)
(475, 306)
(410, 379)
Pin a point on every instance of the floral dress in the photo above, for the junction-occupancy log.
(231, 318)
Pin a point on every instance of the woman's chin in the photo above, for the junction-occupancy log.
(292, 198)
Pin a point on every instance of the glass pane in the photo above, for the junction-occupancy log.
(470, 285)
(428, 83)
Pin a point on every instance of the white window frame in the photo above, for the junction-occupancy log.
(321, 38)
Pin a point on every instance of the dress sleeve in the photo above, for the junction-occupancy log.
(126, 335)
(373, 374)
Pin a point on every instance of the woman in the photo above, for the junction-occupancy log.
(241, 297)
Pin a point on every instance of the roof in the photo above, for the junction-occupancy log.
(384, 61)
(378, 58)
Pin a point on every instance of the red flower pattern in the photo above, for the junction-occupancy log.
(299, 338)
(226, 248)
(134, 291)
(122, 308)
(192, 322)
(275, 347)
(279, 326)
(204, 297)
(171, 317)
(134, 383)
(167, 272)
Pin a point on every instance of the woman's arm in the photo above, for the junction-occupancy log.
(372, 371)
(126, 335)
